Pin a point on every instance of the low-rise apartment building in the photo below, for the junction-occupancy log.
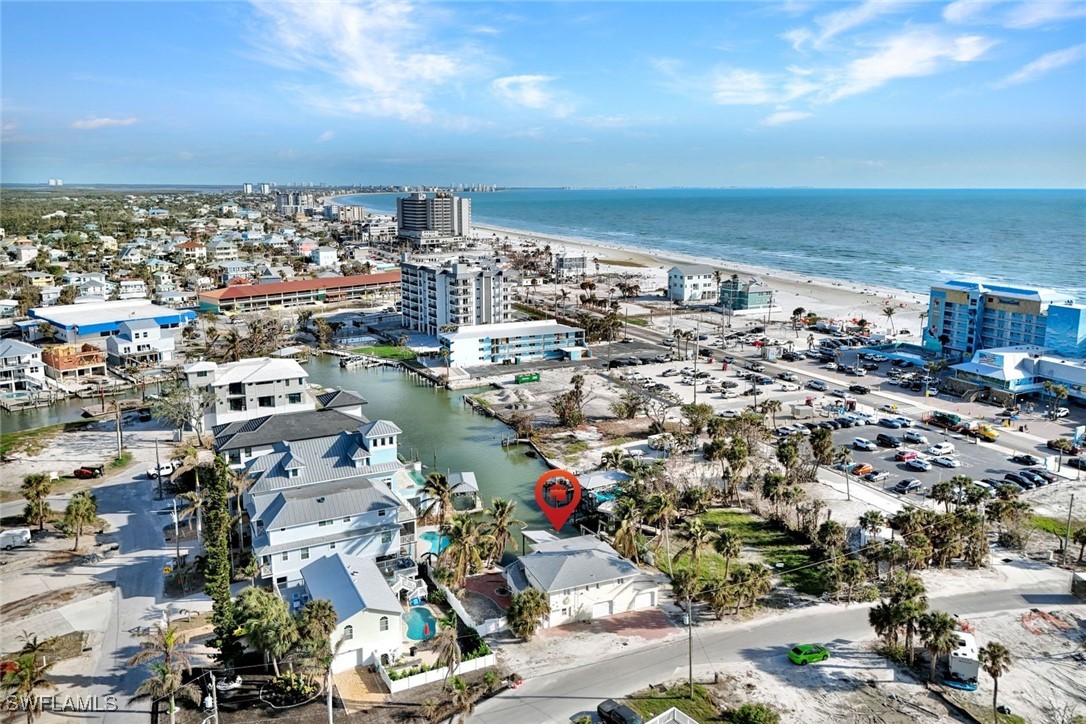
(692, 283)
(332, 290)
(513, 343)
(95, 322)
(140, 344)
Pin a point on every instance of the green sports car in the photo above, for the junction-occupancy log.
(804, 654)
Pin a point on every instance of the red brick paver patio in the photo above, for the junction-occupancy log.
(487, 584)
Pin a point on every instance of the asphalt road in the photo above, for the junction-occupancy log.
(138, 591)
(561, 696)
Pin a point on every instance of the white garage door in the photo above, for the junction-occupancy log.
(644, 600)
(601, 609)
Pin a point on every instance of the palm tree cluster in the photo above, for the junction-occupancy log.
(26, 675)
(474, 543)
(304, 638)
(262, 335)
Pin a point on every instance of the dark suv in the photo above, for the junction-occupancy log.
(889, 440)
(611, 712)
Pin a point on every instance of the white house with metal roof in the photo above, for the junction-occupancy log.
(248, 387)
(584, 578)
(370, 618)
(692, 283)
(141, 343)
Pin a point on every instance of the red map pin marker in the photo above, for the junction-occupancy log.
(558, 492)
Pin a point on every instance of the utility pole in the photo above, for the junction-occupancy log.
(214, 697)
(176, 536)
(158, 471)
(1067, 533)
(690, 646)
(120, 442)
(697, 334)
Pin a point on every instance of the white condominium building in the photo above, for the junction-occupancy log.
(251, 388)
(454, 294)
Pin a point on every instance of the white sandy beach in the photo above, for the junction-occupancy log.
(829, 298)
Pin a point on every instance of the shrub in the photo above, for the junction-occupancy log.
(290, 689)
(754, 714)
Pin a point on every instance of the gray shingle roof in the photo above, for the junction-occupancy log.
(289, 427)
(574, 562)
(340, 398)
(352, 584)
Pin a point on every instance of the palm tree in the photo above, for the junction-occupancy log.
(728, 545)
(752, 581)
(1080, 538)
(831, 537)
(526, 611)
(996, 659)
(629, 525)
(194, 506)
(24, 681)
(166, 650)
(437, 493)
(772, 407)
(660, 508)
(937, 632)
(317, 621)
(36, 488)
(853, 573)
(889, 313)
(81, 511)
(612, 459)
(699, 538)
(267, 624)
(884, 618)
(502, 522)
(468, 543)
(871, 522)
(447, 644)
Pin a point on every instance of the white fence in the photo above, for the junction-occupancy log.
(487, 627)
(430, 677)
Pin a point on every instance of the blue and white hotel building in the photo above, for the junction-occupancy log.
(96, 322)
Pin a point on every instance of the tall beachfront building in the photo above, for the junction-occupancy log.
(453, 294)
(964, 317)
(426, 220)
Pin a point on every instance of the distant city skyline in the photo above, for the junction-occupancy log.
(887, 94)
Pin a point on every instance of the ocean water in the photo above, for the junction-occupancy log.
(902, 239)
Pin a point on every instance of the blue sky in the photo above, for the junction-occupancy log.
(968, 93)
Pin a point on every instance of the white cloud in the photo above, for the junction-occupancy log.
(798, 37)
(377, 57)
(912, 54)
(1041, 12)
(736, 87)
(1044, 64)
(840, 21)
(325, 137)
(782, 117)
(530, 91)
(185, 155)
(967, 11)
(92, 123)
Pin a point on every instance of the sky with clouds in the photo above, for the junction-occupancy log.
(960, 93)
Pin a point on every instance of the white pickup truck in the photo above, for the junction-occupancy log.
(163, 470)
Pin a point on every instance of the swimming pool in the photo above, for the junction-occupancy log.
(421, 624)
(437, 542)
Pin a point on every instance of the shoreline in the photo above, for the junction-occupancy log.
(829, 298)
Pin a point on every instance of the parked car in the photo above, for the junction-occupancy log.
(876, 476)
(611, 712)
(1059, 412)
(919, 464)
(904, 421)
(890, 422)
(908, 485)
(1079, 463)
(787, 377)
(804, 654)
(942, 448)
(1046, 474)
(914, 437)
(889, 440)
(1033, 478)
(756, 367)
(860, 469)
(163, 470)
(788, 387)
(947, 462)
(90, 471)
(859, 389)
(1025, 459)
(1019, 481)
(862, 443)
(904, 454)
(818, 385)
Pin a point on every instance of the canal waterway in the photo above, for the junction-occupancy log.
(438, 429)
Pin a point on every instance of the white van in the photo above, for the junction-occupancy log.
(15, 538)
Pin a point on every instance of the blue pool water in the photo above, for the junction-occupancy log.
(418, 619)
(437, 542)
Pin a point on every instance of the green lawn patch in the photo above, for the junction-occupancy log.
(773, 544)
(122, 461)
(638, 322)
(386, 351)
(531, 312)
(650, 703)
(1055, 526)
